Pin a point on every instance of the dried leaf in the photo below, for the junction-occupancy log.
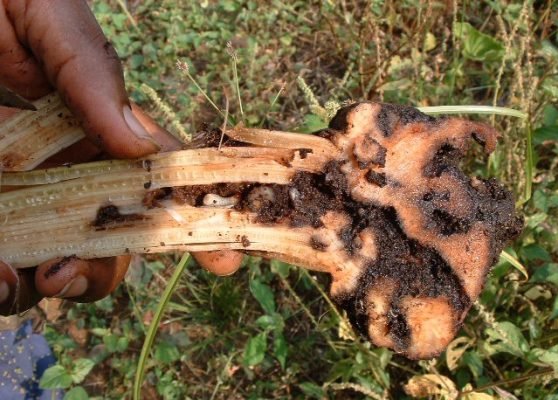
(429, 42)
(429, 385)
(455, 350)
(52, 308)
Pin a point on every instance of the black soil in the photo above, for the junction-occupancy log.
(419, 271)
(393, 114)
(109, 215)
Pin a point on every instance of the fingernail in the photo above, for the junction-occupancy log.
(76, 287)
(137, 127)
(4, 291)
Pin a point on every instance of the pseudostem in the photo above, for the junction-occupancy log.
(377, 200)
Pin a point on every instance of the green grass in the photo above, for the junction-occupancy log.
(154, 325)
(269, 331)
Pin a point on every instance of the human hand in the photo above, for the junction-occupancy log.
(57, 44)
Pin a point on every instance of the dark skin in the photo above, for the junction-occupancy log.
(58, 45)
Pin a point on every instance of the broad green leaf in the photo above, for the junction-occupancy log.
(506, 337)
(56, 377)
(122, 344)
(548, 356)
(280, 349)
(312, 123)
(312, 390)
(136, 61)
(263, 294)
(472, 360)
(228, 5)
(166, 353)
(115, 344)
(254, 352)
(550, 115)
(540, 200)
(101, 332)
(110, 342)
(545, 133)
(81, 369)
(384, 356)
(272, 322)
(546, 273)
(534, 252)
(553, 201)
(534, 220)
(280, 268)
(477, 45)
(76, 393)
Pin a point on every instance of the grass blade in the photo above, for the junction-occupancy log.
(490, 110)
(152, 331)
(515, 263)
(529, 165)
(234, 63)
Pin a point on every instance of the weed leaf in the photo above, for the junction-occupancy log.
(255, 349)
(477, 46)
(312, 390)
(263, 294)
(56, 377)
(506, 337)
(81, 369)
(280, 349)
(548, 356)
(76, 393)
(166, 353)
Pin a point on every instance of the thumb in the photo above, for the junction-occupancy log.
(77, 59)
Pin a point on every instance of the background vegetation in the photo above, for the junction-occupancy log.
(269, 331)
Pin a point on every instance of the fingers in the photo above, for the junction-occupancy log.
(221, 263)
(8, 289)
(80, 280)
(68, 278)
(164, 139)
(77, 59)
(17, 290)
(85, 150)
(84, 280)
(20, 71)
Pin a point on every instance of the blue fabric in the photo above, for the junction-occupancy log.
(24, 357)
